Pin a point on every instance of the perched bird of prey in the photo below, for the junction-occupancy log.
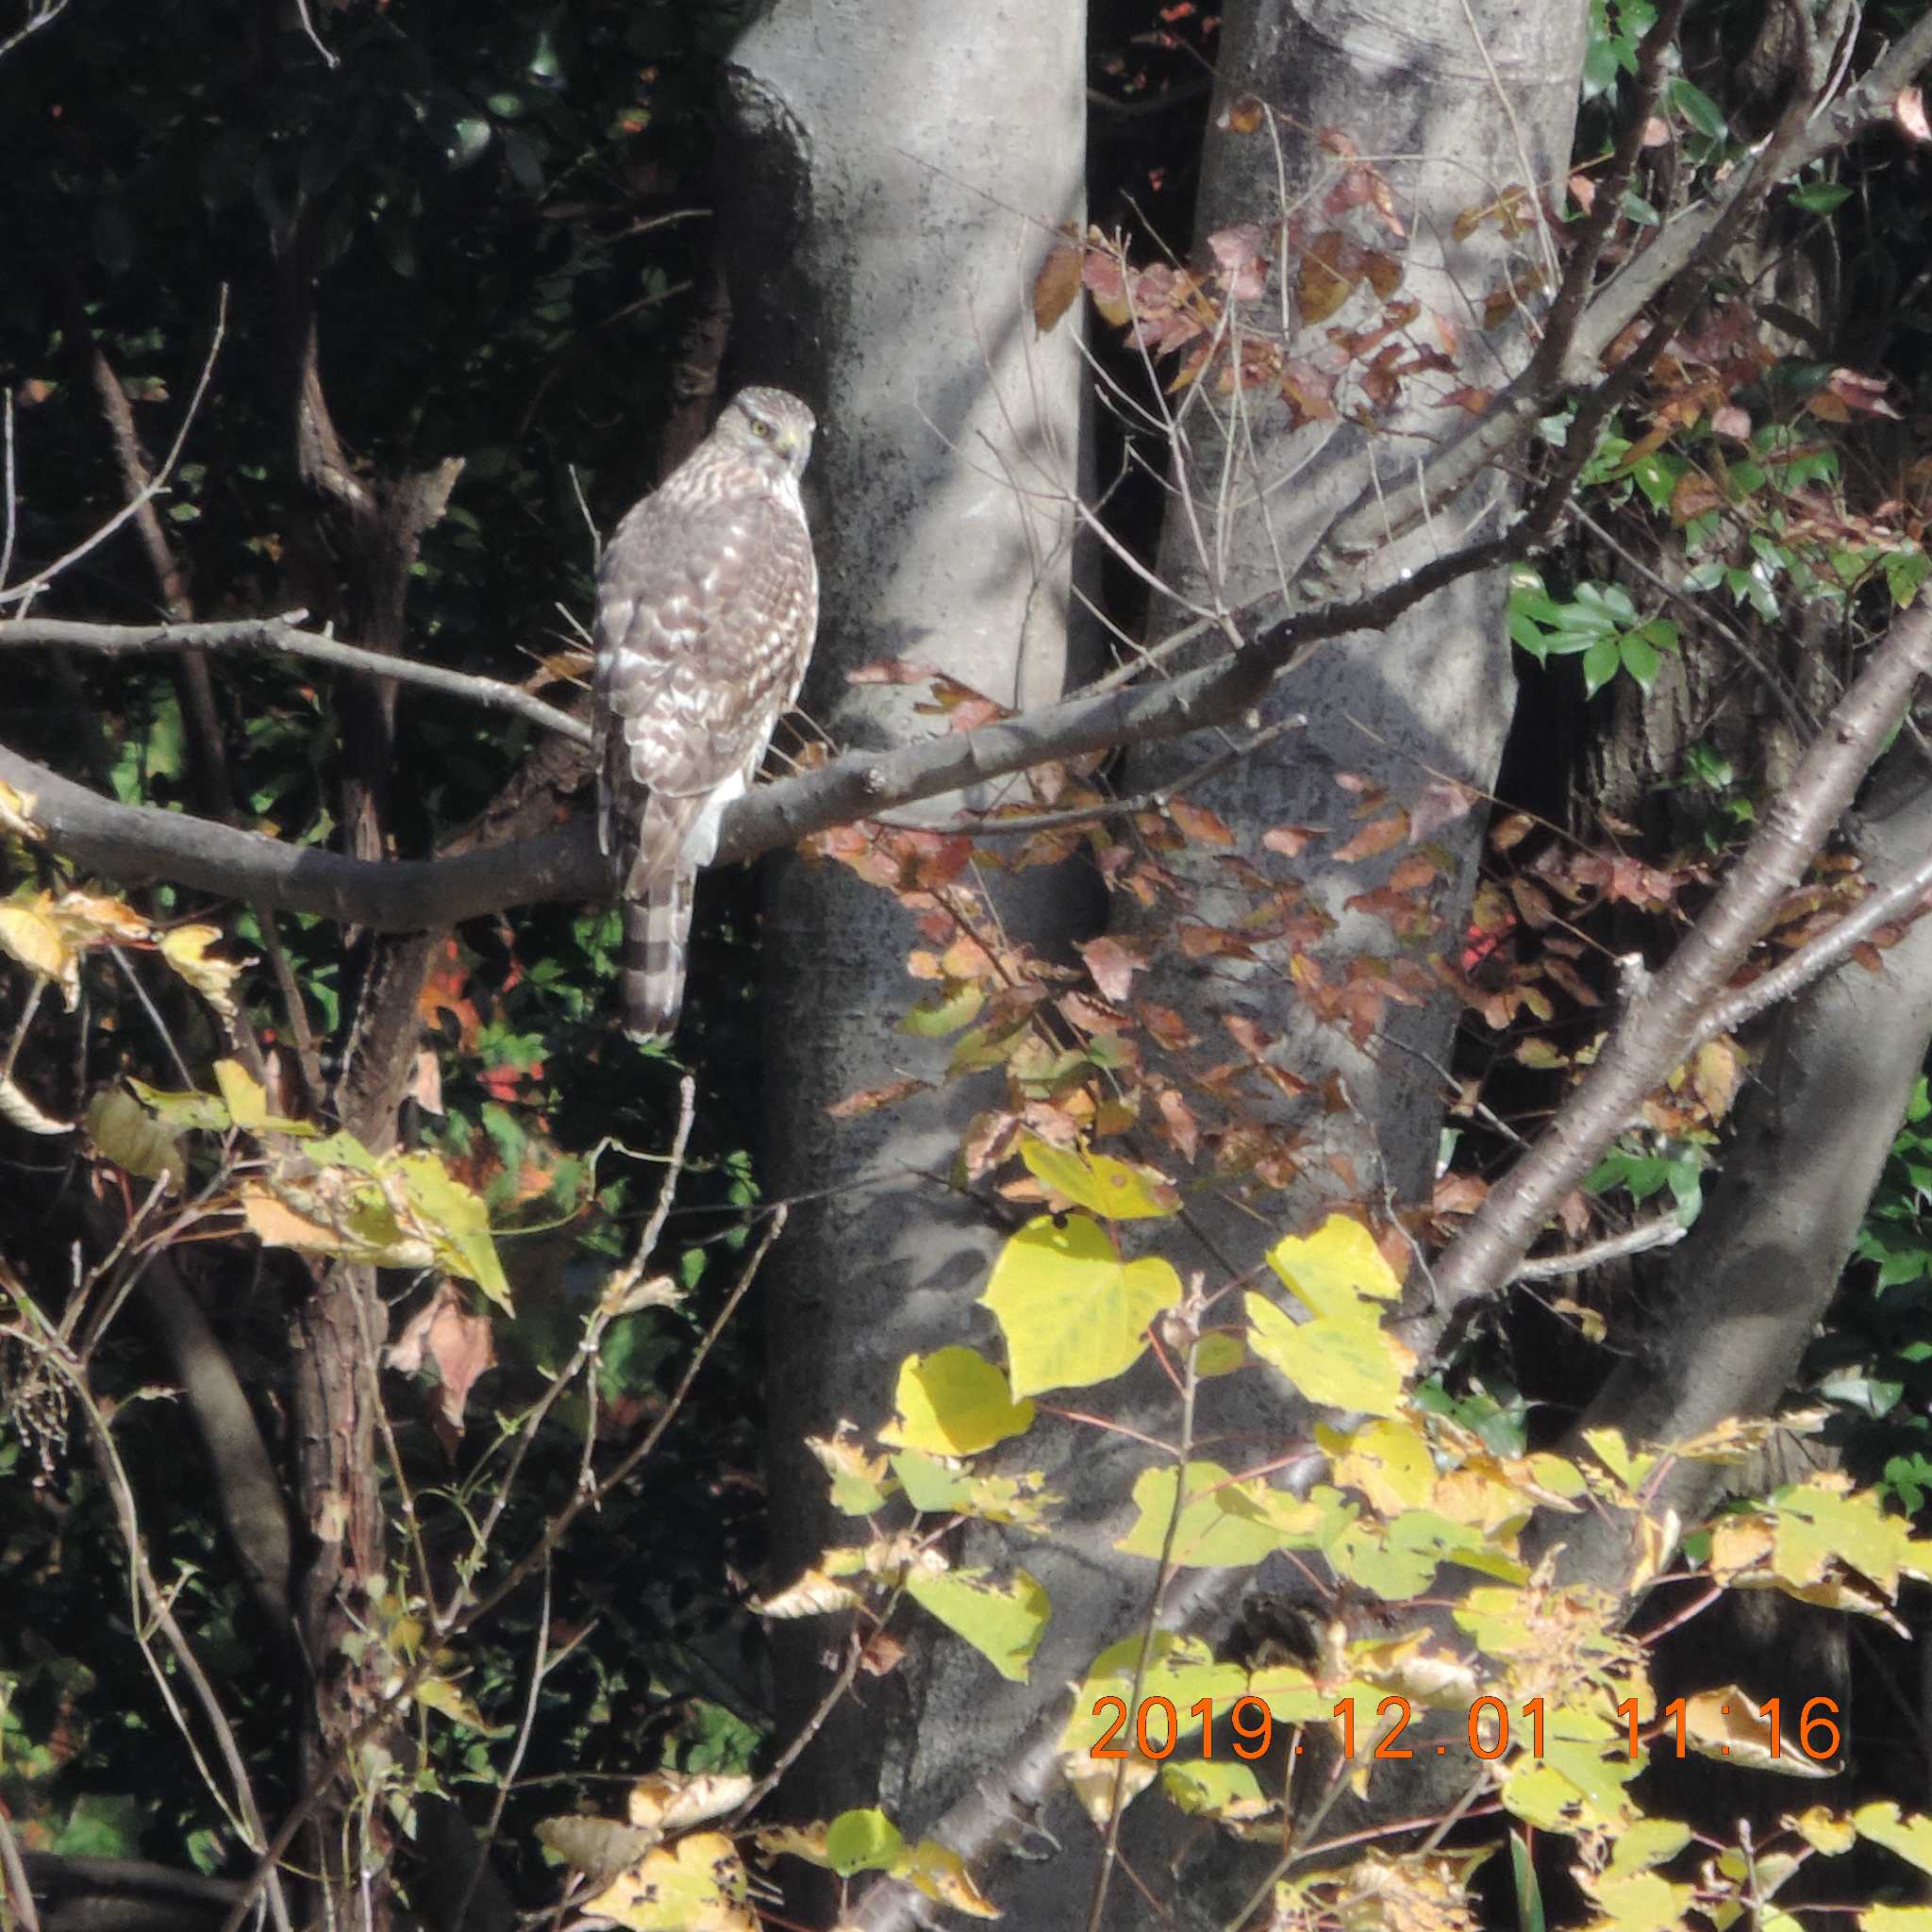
(707, 600)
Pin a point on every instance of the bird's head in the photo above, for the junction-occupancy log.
(772, 426)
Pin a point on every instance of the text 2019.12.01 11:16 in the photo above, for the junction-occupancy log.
(1157, 1726)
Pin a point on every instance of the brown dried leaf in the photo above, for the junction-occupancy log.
(1057, 285)
(1290, 840)
(1441, 802)
(1242, 115)
(1113, 963)
(1378, 836)
(1178, 1120)
(1237, 256)
(870, 1099)
(1198, 823)
(1532, 903)
(460, 1344)
(1330, 268)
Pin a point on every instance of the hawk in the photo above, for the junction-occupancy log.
(707, 599)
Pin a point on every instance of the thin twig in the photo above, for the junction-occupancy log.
(539, 1668)
(1157, 800)
(1111, 1845)
(283, 635)
(1662, 1233)
(19, 1893)
(610, 1304)
(151, 1610)
(1818, 955)
(537, 1555)
(41, 579)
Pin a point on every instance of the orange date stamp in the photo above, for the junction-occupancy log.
(1157, 1726)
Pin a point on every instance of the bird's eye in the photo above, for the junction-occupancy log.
(761, 429)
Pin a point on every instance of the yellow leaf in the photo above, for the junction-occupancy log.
(696, 1885)
(186, 1109)
(807, 1842)
(1223, 1788)
(1630, 1467)
(1342, 1363)
(1114, 1190)
(17, 813)
(1910, 1837)
(438, 1693)
(1224, 1524)
(1389, 1461)
(1655, 1841)
(276, 1224)
(186, 950)
(669, 1801)
(246, 1100)
(940, 1873)
(1725, 1725)
(92, 919)
(1643, 1902)
(814, 1595)
(1828, 1832)
(1003, 1621)
(31, 935)
(1073, 1312)
(859, 1480)
(953, 1401)
(1335, 1269)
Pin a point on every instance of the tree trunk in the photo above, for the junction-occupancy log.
(894, 178)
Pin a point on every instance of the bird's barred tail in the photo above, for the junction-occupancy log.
(650, 980)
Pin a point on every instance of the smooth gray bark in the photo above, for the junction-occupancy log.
(897, 176)
(1434, 694)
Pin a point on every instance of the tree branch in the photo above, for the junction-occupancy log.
(284, 635)
(1675, 1014)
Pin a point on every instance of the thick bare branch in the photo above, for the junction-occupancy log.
(1674, 1013)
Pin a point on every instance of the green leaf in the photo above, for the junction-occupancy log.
(929, 1485)
(1640, 661)
(1073, 1312)
(183, 1111)
(1600, 664)
(1004, 1622)
(1904, 572)
(1224, 1524)
(468, 138)
(1820, 197)
(1697, 107)
(953, 1401)
(862, 1841)
(1214, 1788)
(945, 1012)
(1529, 1897)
